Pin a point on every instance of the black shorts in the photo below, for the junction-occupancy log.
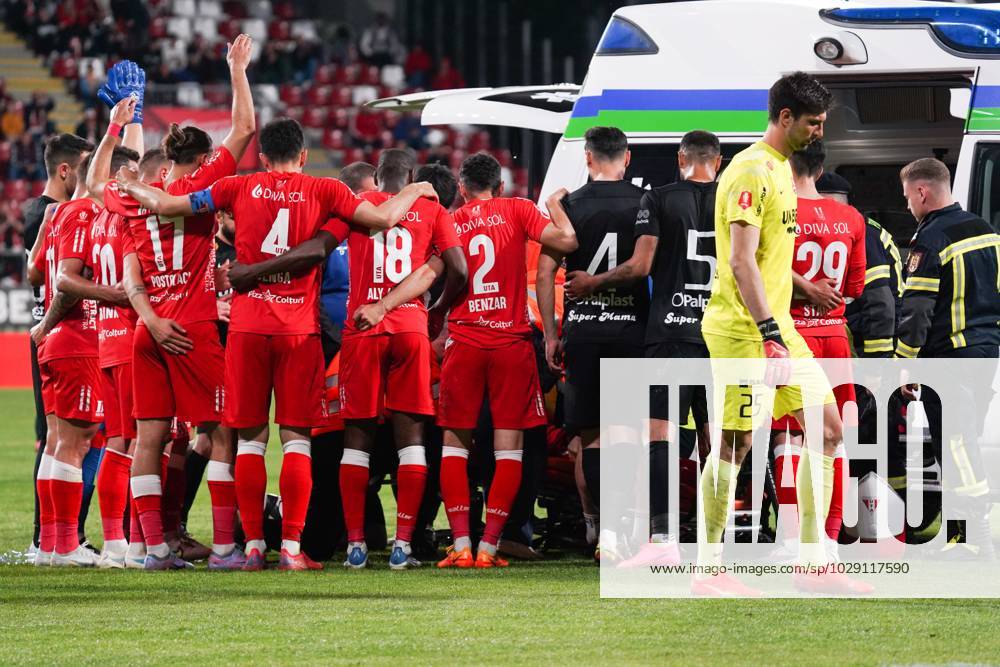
(692, 398)
(582, 404)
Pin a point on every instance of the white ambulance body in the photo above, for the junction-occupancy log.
(910, 79)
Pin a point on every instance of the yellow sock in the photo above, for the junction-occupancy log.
(716, 499)
(811, 549)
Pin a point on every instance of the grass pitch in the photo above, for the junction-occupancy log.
(547, 612)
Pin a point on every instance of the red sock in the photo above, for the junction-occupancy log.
(46, 512)
(134, 525)
(147, 499)
(835, 516)
(222, 490)
(353, 486)
(66, 487)
(503, 490)
(786, 487)
(173, 491)
(295, 484)
(112, 492)
(251, 485)
(411, 477)
(455, 489)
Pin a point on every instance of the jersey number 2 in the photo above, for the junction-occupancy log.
(481, 244)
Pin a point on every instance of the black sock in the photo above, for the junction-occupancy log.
(659, 487)
(592, 473)
(194, 470)
(34, 479)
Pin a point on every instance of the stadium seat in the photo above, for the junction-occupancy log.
(234, 9)
(157, 28)
(333, 138)
(260, 9)
(295, 113)
(210, 8)
(216, 95)
(87, 62)
(256, 28)
(369, 76)
(186, 8)
(314, 117)
(319, 96)
(291, 94)
(343, 97)
(362, 94)
(180, 27)
(189, 94)
(17, 190)
(37, 188)
(503, 156)
(266, 94)
(340, 118)
(353, 155)
(284, 10)
(228, 29)
(325, 74)
(305, 30)
(4, 153)
(393, 76)
(207, 27)
(279, 31)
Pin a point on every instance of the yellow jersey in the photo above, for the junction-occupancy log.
(756, 188)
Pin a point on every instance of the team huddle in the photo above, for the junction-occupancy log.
(129, 338)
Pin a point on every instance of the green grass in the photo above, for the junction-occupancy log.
(548, 612)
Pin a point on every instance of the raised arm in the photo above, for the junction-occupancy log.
(391, 211)
(99, 173)
(244, 123)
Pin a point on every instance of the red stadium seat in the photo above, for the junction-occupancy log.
(314, 117)
(333, 139)
(295, 113)
(216, 95)
(319, 96)
(480, 141)
(235, 9)
(367, 126)
(340, 118)
(4, 153)
(284, 10)
(343, 98)
(373, 156)
(229, 29)
(291, 94)
(520, 175)
(279, 31)
(157, 28)
(353, 155)
(457, 156)
(503, 157)
(325, 74)
(17, 191)
(37, 188)
(370, 76)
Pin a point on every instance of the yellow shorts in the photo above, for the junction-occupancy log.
(745, 393)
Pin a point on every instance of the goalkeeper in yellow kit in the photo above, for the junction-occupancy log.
(748, 317)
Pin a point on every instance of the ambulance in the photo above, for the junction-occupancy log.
(910, 80)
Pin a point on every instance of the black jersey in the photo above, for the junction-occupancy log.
(603, 216)
(224, 252)
(34, 213)
(951, 289)
(682, 216)
(873, 316)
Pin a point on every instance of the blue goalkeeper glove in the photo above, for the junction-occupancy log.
(125, 79)
(110, 92)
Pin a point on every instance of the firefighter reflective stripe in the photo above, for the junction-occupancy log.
(877, 273)
(922, 284)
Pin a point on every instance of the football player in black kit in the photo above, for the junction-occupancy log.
(604, 322)
(675, 243)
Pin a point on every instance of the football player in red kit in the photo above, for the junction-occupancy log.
(70, 358)
(489, 351)
(178, 362)
(274, 327)
(829, 269)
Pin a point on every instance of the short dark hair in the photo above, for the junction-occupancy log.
(355, 173)
(926, 169)
(700, 146)
(121, 157)
(808, 161)
(443, 180)
(64, 148)
(184, 144)
(394, 167)
(282, 140)
(480, 172)
(607, 143)
(151, 162)
(799, 93)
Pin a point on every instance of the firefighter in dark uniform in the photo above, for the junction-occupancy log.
(951, 308)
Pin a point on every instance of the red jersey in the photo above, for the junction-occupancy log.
(67, 237)
(493, 311)
(114, 325)
(829, 243)
(274, 212)
(177, 255)
(380, 260)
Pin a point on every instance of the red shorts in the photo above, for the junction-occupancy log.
(48, 390)
(75, 389)
(393, 367)
(118, 402)
(825, 347)
(509, 375)
(290, 365)
(188, 386)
